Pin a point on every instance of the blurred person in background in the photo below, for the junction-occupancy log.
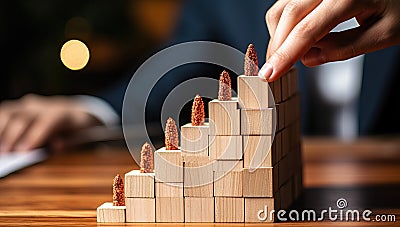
(122, 35)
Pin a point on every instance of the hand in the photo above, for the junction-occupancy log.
(34, 120)
(299, 29)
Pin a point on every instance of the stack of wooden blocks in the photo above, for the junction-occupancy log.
(226, 170)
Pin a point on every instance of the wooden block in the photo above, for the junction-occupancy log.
(258, 183)
(169, 190)
(277, 201)
(275, 178)
(272, 87)
(140, 209)
(280, 112)
(112, 214)
(287, 167)
(292, 81)
(257, 152)
(229, 209)
(256, 122)
(258, 210)
(288, 112)
(297, 134)
(253, 93)
(224, 117)
(139, 185)
(228, 184)
(194, 140)
(291, 111)
(298, 185)
(285, 90)
(286, 195)
(293, 137)
(199, 209)
(198, 177)
(170, 210)
(277, 90)
(277, 144)
(227, 165)
(226, 147)
(289, 76)
(168, 166)
(285, 142)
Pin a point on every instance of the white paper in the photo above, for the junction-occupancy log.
(14, 161)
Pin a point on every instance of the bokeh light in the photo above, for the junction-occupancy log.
(74, 54)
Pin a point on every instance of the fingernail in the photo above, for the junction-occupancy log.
(265, 71)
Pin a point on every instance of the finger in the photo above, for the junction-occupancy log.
(268, 52)
(292, 14)
(7, 109)
(347, 44)
(273, 14)
(303, 36)
(14, 130)
(272, 19)
(39, 133)
(4, 118)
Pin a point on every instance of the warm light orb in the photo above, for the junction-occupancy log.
(74, 54)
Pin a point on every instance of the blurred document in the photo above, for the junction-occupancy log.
(14, 161)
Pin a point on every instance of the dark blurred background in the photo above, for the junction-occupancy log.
(120, 35)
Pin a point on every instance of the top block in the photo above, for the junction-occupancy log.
(253, 93)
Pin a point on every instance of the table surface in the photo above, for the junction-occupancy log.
(67, 188)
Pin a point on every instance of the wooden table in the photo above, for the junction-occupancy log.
(67, 188)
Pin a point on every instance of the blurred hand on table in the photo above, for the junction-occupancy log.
(300, 29)
(33, 121)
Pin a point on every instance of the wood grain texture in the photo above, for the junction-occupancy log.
(228, 184)
(169, 190)
(168, 166)
(139, 185)
(198, 177)
(226, 147)
(170, 209)
(280, 113)
(292, 81)
(229, 209)
(224, 117)
(256, 122)
(286, 194)
(285, 90)
(276, 87)
(194, 140)
(66, 189)
(253, 93)
(258, 183)
(199, 209)
(288, 166)
(111, 214)
(140, 209)
(258, 152)
(227, 165)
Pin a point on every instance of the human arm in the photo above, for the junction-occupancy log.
(33, 120)
(301, 30)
